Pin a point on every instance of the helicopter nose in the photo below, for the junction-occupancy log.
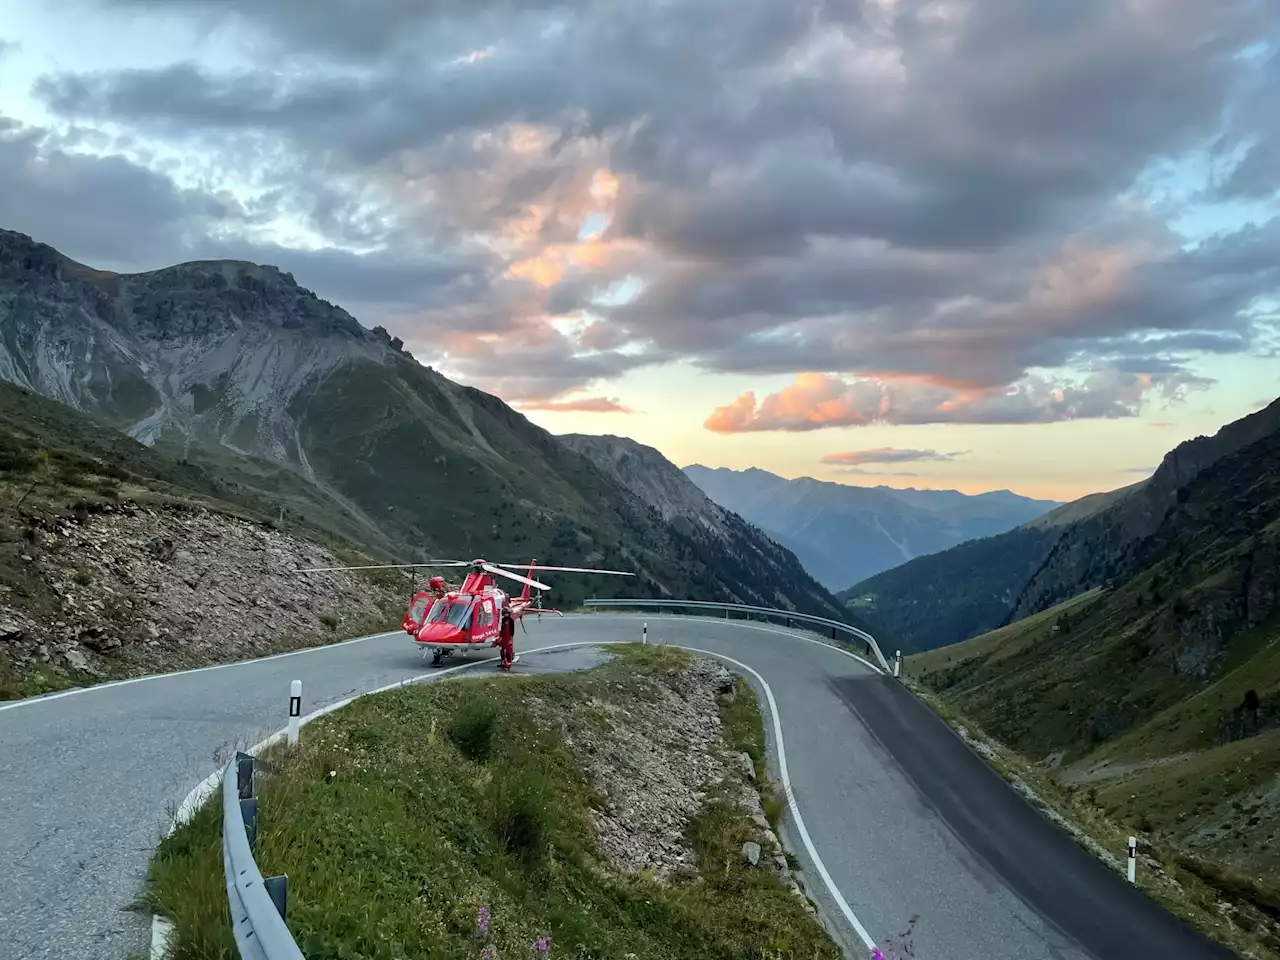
(439, 633)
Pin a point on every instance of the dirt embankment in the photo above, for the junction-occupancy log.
(130, 590)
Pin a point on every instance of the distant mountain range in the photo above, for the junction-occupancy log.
(980, 585)
(843, 534)
(279, 396)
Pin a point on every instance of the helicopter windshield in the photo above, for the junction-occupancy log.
(457, 613)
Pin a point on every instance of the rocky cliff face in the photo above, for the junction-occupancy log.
(651, 477)
(1093, 550)
(138, 589)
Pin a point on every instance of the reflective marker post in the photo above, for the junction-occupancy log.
(644, 634)
(897, 663)
(1133, 859)
(295, 710)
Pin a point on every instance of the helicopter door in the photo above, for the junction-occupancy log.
(417, 612)
(485, 626)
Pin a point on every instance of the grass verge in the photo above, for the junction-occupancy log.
(1228, 905)
(398, 818)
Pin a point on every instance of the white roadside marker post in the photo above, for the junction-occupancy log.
(1133, 859)
(897, 663)
(644, 633)
(295, 710)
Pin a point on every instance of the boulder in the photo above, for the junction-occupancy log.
(751, 853)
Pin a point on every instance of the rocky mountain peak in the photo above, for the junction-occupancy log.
(223, 350)
(648, 474)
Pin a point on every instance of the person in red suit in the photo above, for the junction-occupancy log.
(506, 642)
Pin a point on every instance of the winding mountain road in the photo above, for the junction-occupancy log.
(906, 819)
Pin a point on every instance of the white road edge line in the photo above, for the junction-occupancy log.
(32, 701)
(849, 915)
(161, 928)
(751, 626)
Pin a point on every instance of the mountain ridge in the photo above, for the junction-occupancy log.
(1087, 553)
(730, 542)
(235, 368)
(1159, 689)
(978, 586)
(843, 533)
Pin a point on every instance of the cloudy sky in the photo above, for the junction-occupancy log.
(976, 244)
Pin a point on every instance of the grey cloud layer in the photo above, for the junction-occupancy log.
(923, 188)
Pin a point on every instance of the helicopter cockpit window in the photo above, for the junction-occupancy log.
(457, 613)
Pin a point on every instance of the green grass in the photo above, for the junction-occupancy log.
(743, 728)
(394, 857)
(994, 646)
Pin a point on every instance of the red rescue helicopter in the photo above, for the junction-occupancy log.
(478, 613)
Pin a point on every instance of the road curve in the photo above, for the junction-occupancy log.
(907, 821)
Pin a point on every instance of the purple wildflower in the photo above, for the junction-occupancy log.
(544, 945)
(482, 921)
(876, 954)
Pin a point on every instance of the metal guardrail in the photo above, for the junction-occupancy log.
(868, 640)
(257, 904)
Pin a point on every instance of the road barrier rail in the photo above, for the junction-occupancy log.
(868, 642)
(257, 904)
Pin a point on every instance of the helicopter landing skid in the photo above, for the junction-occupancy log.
(438, 655)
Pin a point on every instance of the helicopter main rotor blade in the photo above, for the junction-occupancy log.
(617, 573)
(515, 576)
(391, 566)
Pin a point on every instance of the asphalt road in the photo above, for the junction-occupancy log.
(906, 819)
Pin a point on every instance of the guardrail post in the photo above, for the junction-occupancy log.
(249, 812)
(278, 890)
(1133, 859)
(295, 710)
(244, 776)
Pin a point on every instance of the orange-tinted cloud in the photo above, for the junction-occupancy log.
(816, 401)
(579, 405)
(855, 458)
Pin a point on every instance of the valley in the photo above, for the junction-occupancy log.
(844, 534)
(983, 584)
(161, 495)
(1150, 700)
